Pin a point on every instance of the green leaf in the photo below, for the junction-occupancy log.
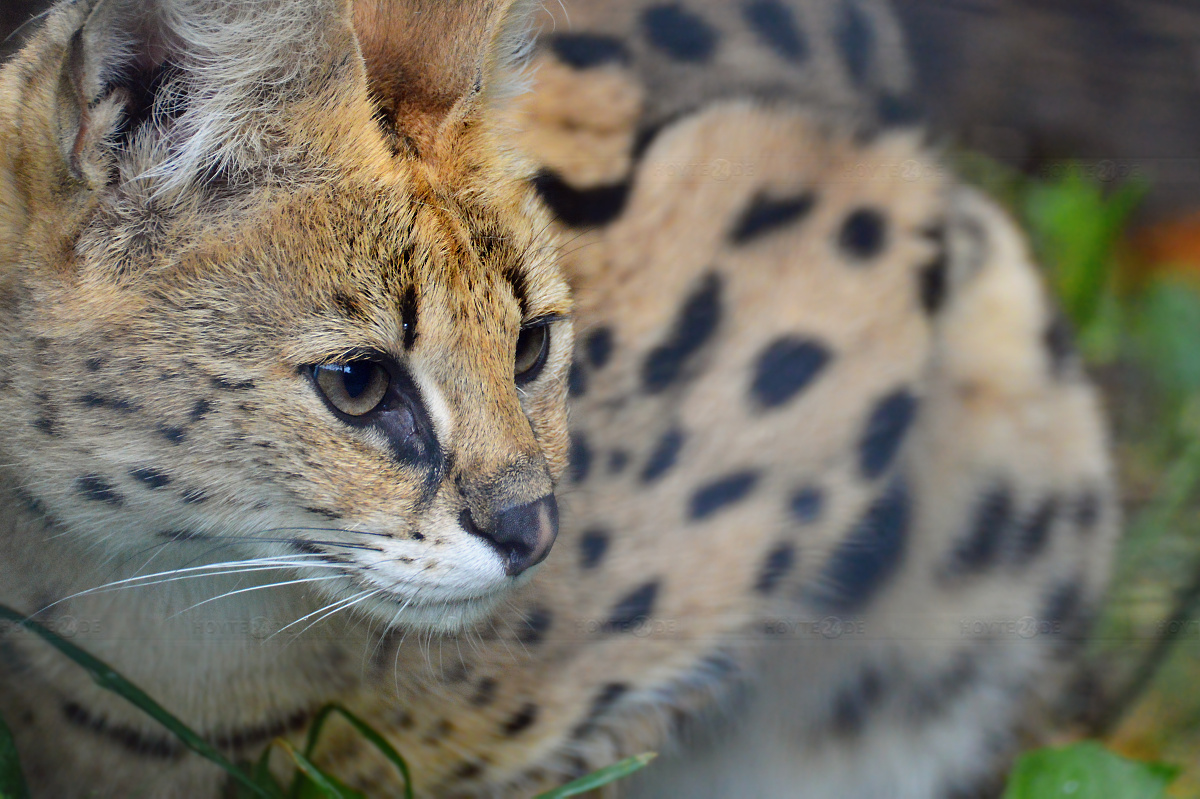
(366, 731)
(600, 778)
(1077, 225)
(12, 782)
(1086, 771)
(107, 677)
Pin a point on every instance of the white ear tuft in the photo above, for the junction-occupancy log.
(205, 86)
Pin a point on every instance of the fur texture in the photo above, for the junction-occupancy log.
(835, 496)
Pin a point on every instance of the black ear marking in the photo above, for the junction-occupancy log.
(151, 96)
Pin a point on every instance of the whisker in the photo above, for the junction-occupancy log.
(256, 588)
(256, 564)
(338, 610)
(321, 609)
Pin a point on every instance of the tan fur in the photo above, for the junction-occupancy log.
(162, 296)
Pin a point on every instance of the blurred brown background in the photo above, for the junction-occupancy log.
(1031, 82)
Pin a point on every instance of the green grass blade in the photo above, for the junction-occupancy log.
(263, 776)
(366, 731)
(598, 779)
(107, 677)
(324, 784)
(12, 782)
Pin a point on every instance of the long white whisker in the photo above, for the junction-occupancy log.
(257, 564)
(256, 588)
(321, 609)
(251, 570)
(338, 610)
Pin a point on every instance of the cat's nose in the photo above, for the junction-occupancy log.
(522, 534)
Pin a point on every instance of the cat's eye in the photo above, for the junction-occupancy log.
(533, 348)
(354, 388)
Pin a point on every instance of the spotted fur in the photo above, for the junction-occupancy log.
(835, 498)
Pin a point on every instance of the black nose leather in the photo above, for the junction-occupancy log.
(522, 534)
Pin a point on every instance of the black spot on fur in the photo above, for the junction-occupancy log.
(580, 456)
(225, 384)
(664, 456)
(599, 346)
(776, 25)
(440, 731)
(46, 424)
(126, 737)
(409, 316)
(864, 234)
(592, 548)
(618, 459)
(535, 624)
(485, 692)
(194, 496)
(588, 50)
(787, 367)
(1060, 344)
(153, 478)
(681, 34)
(326, 513)
(886, 427)
(576, 380)
(854, 703)
(1087, 511)
(247, 737)
(765, 216)
(607, 696)
(175, 435)
(855, 40)
(806, 504)
(868, 557)
(779, 562)
(1035, 532)
(200, 410)
(1066, 614)
(721, 494)
(633, 608)
(932, 284)
(937, 694)
(94, 400)
(696, 323)
(581, 207)
(521, 721)
(97, 489)
(470, 771)
(94, 364)
(33, 505)
(992, 521)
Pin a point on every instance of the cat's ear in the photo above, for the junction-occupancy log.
(172, 90)
(436, 64)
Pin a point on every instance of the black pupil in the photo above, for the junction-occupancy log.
(356, 377)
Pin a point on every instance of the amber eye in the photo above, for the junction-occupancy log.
(354, 388)
(533, 347)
